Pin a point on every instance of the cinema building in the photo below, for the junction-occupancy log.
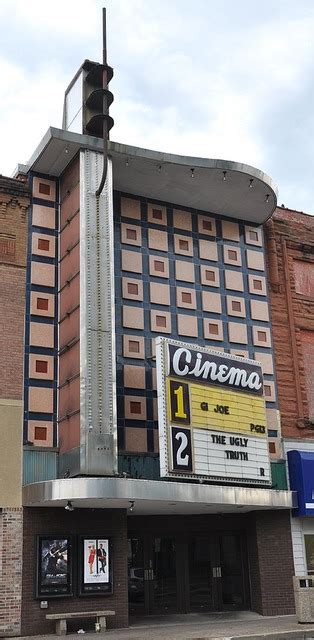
(154, 479)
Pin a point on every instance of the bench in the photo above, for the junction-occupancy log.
(61, 619)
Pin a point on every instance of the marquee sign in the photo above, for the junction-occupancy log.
(211, 414)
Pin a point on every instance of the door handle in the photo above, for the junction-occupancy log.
(214, 572)
(218, 572)
(146, 574)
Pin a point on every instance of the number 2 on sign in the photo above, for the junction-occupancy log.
(179, 402)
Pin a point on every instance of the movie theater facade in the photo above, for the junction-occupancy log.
(149, 375)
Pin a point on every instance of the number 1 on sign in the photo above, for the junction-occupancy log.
(179, 402)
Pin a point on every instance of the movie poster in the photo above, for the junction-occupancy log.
(54, 566)
(96, 565)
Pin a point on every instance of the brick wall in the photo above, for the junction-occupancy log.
(271, 563)
(14, 200)
(290, 256)
(89, 522)
(11, 557)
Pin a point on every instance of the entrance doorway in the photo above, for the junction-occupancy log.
(204, 573)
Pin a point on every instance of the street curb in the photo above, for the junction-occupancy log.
(305, 634)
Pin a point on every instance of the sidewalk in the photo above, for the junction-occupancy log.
(217, 626)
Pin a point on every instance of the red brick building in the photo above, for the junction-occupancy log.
(14, 202)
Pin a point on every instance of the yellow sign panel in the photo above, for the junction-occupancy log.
(207, 407)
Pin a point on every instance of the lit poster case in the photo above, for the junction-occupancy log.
(95, 566)
(54, 566)
(211, 415)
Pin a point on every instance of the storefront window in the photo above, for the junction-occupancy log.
(309, 550)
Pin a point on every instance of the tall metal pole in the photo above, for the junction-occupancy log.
(105, 108)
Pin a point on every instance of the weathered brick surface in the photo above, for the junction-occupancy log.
(14, 200)
(88, 522)
(293, 234)
(11, 561)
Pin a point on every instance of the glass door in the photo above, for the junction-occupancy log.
(231, 583)
(136, 583)
(203, 573)
(164, 584)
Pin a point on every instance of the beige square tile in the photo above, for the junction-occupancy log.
(261, 336)
(208, 250)
(157, 214)
(43, 274)
(132, 317)
(232, 255)
(239, 352)
(131, 234)
(159, 266)
(234, 280)
(134, 347)
(136, 440)
(259, 310)
(134, 408)
(40, 400)
(185, 271)
(42, 304)
(40, 432)
(255, 260)
(269, 391)
(186, 298)
(257, 285)
(131, 261)
(230, 230)
(206, 225)
(210, 276)
(183, 245)
(219, 348)
(130, 208)
(40, 367)
(44, 189)
(43, 216)
(213, 329)
(159, 293)
(237, 332)
(43, 245)
(134, 377)
(41, 335)
(187, 325)
(132, 289)
(273, 420)
(182, 220)
(254, 235)
(160, 321)
(236, 306)
(266, 360)
(157, 240)
(211, 301)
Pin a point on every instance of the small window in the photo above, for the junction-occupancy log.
(186, 297)
(261, 336)
(40, 433)
(42, 303)
(135, 407)
(207, 225)
(257, 284)
(131, 234)
(210, 275)
(134, 346)
(309, 552)
(253, 235)
(161, 321)
(232, 255)
(267, 390)
(43, 245)
(44, 188)
(272, 447)
(157, 214)
(132, 288)
(235, 305)
(213, 328)
(41, 366)
(159, 266)
(184, 245)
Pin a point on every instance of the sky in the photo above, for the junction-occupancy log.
(207, 78)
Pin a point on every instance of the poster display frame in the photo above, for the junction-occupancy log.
(96, 587)
(63, 590)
